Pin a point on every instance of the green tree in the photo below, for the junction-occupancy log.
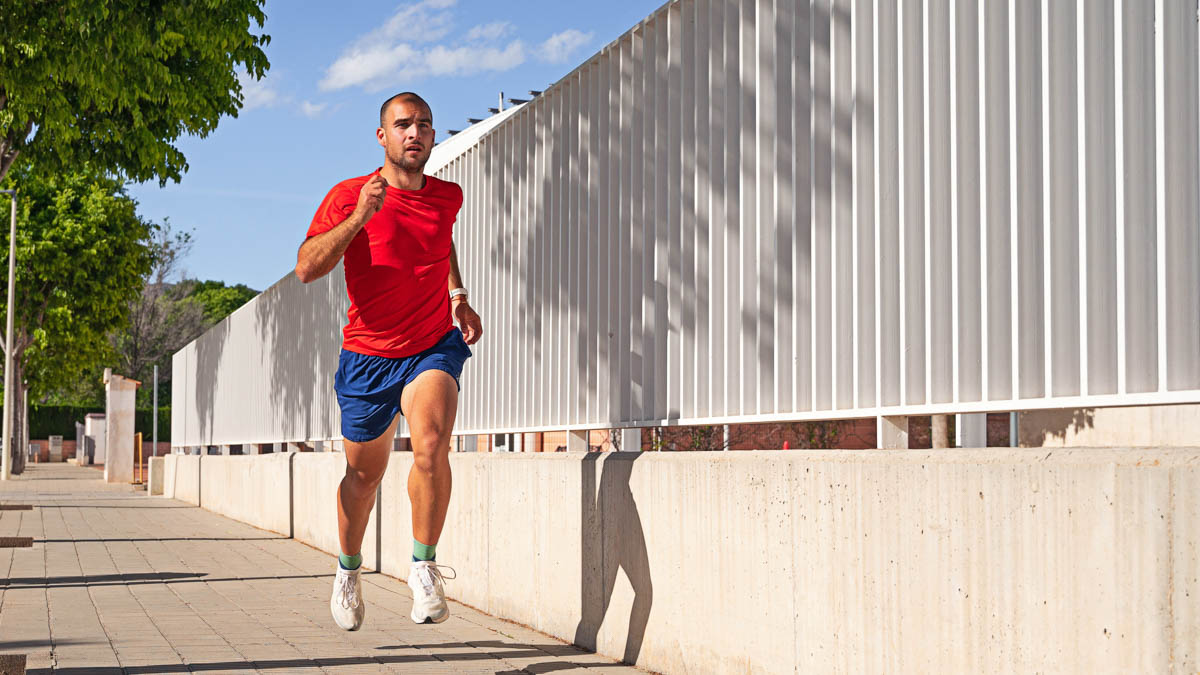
(115, 83)
(81, 255)
(219, 300)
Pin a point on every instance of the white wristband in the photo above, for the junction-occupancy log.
(457, 292)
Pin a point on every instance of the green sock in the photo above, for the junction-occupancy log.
(423, 552)
(350, 562)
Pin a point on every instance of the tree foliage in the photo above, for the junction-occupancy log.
(219, 300)
(115, 83)
(81, 255)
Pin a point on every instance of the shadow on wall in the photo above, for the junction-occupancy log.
(1042, 425)
(612, 540)
(660, 268)
(300, 325)
(210, 349)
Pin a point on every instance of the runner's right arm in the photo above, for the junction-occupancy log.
(319, 254)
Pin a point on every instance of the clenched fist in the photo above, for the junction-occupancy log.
(468, 320)
(370, 197)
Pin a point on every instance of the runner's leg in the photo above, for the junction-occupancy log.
(430, 403)
(365, 464)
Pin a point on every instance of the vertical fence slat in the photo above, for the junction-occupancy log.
(939, 212)
(1179, 270)
(842, 206)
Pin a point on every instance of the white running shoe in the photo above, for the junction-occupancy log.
(347, 604)
(429, 597)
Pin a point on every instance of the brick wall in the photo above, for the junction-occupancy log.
(857, 434)
(164, 448)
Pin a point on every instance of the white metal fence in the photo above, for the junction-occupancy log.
(773, 210)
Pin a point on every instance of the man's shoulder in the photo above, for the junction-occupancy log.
(448, 187)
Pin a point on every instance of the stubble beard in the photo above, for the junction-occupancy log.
(402, 162)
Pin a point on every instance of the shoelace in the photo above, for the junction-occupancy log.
(347, 598)
(430, 575)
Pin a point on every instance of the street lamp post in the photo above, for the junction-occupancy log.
(6, 467)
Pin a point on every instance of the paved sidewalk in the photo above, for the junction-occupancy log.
(118, 582)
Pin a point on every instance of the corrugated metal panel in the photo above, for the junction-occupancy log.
(771, 210)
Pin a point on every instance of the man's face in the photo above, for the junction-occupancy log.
(407, 135)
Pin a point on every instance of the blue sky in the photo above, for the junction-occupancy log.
(253, 185)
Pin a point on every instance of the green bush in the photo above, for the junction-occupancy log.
(51, 420)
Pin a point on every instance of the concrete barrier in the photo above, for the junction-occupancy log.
(253, 489)
(181, 478)
(994, 560)
(154, 486)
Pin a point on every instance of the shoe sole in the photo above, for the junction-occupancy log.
(347, 629)
(429, 619)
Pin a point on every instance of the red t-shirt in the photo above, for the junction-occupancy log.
(397, 266)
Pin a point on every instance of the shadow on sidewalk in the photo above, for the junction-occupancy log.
(550, 648)
(482, 651)
(612, 539)
(137, 539)
(138, 579)
(89, 506)
(35, 644)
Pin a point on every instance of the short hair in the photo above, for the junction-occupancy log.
(409, 96)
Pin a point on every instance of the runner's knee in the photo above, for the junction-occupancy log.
(366, 477)
(428, 457)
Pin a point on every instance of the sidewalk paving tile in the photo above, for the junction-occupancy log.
(118, 582)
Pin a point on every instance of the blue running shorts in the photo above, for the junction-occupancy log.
(369, 387)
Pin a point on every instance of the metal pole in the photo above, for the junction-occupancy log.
(137, 469)
(8, 340)
(154, 425)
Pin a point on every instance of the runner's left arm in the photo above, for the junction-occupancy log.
(467, 319)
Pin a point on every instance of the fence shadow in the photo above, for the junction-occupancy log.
(300, 325)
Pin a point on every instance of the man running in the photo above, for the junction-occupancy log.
(401, 353)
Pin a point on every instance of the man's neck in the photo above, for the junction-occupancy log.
(405, 180)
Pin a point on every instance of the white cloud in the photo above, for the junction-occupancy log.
(373, 68)
(413, 43)
(472, 59)
(558, 48)
(490, 32)
(387, 54)
(257, 93)
(424, 21)
(313, 110)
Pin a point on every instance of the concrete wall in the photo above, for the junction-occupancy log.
(254, 490)
(1146, 426)
(95, 428)
(181, 478)
(999, 560)
(154, 482)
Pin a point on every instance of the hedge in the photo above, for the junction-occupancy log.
(51, 420)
